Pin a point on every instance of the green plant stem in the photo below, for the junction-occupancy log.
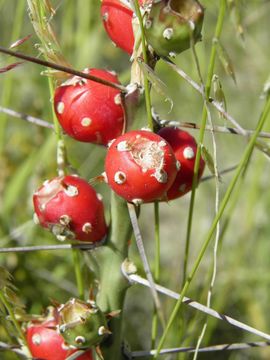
(201, 135)
(145, 58)
(8, 81)
(78, 272)
(57, 128)
(112, 283)
(156, 271)
(13, 319)
(242, 165)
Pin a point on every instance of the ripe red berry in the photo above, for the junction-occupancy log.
(89, 111)
(45, 343)
(71, 209)
(185, 148)
(117, 20)
(140, 166)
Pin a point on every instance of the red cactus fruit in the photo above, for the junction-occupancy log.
(117, 20)
(89, 111)
(140, 166)
(71, 209)
(45, 343)
(185, 147)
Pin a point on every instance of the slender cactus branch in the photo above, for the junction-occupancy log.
(62, 68)
(29, 118)
(81, 246)
(200, 307)
(140, 246)
(14, 348)
(216, 129)
(222, 347)
(222, 172)
(162, 122)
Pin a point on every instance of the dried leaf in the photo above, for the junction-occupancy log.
(207, 157)
(218, 93)
(225, 59)
(22, 316)
(264, 147)
(12, 297)
(40, 14)
(10, 67)
(5, 278)
(56, 74)
(236, 13)
(2, 310)
(266, 88)
(158, 85)
(20, 41)
(50, 7)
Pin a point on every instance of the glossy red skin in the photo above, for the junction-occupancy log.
(83, 208)
(51, 345)
(90, 100)
(138, 185)
(119, 23)
(179, 140)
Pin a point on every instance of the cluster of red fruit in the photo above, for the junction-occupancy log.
(140, 166)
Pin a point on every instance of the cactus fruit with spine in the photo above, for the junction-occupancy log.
(170, 24)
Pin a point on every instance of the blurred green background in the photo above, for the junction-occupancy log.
(28, 157)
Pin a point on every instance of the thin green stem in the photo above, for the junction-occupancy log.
(13, 318)
(57, 128)
(78, 272)
(156, 270)
(8, 82)
(113, 285)
(242, 165)
(145, 58)
(201, 134)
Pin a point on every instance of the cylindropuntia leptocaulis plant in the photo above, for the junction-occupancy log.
(140, 166)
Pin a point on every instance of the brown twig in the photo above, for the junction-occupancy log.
(61, 68)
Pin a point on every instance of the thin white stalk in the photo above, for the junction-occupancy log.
(146, 266)
(82, 246)
(223, 347)
(29, 118)
(134, 278)
(163, 122)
